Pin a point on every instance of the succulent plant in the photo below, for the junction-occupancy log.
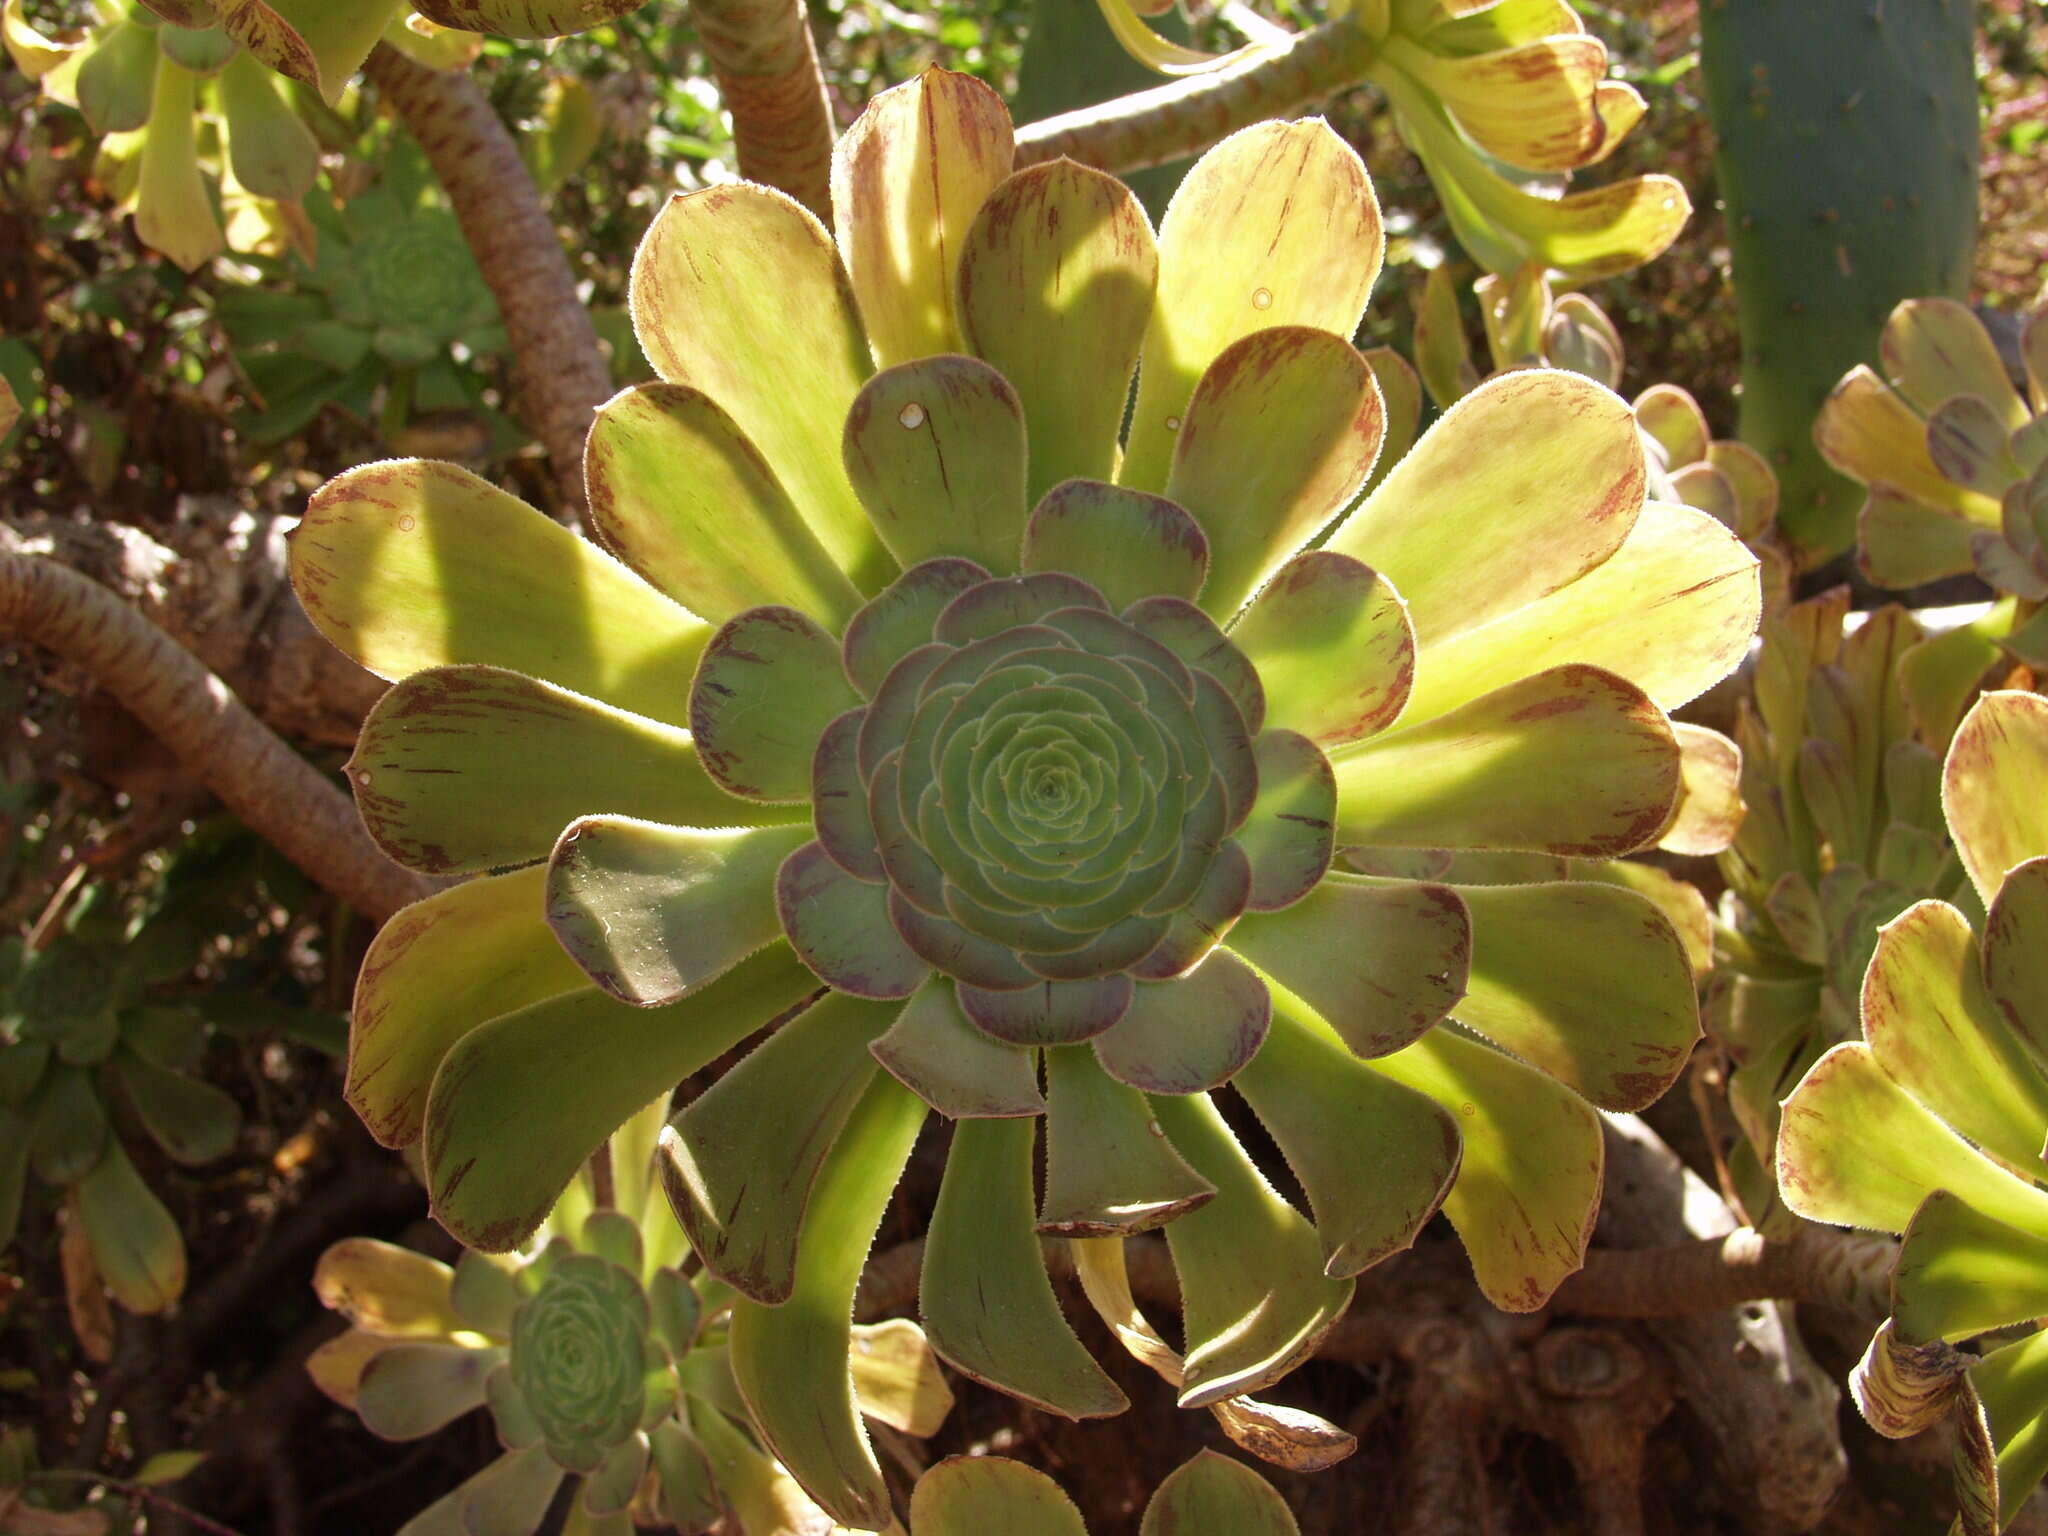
(991, 1496)
(1846, 154)
(1500, 101)
(321, 43)
(999, 749)
(1956, 463)
(148, 85)
(1931, 1126)
(598, 1359)
(76, 1019)
(393, 301)
(1842, 832)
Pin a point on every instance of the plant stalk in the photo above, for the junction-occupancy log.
(279, 794)
(556, 360)
(1846, 1270)
(768, 75)
(1173, 120)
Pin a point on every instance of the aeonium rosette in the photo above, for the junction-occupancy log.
(913, 674)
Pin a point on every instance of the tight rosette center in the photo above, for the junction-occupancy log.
(579, 1358)
(1038, 795)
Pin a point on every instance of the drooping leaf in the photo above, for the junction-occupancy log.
(790, 1361)
(1529, 1186)
(935, 1052)
(984, 1296)
(1109, 1168)
(520, 1103)
(1215, 1496)
(1586, 982)
(741, 1161)
(990, 1496)
(1333, 1117)
(1254, 1296)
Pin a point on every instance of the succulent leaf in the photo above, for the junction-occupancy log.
(990, 1496)
(688, 501)
(908, 180)
(1056, 279)
(784, 355)
(465, 769)
(1279, 436)
(1672, 610)
(652, 912)
(1609, 783)
(1445, 525)
(1961, 1272)
(1323, 611)
(1856, 1149)
(1584, 981)
(413, 1389)
(135, 1242)
(1932, 1022)
(1231, 262)
(412, 564)
(1126, 544)
(1215, 1496)
(1993, 786)
(434, 972)
(935, 451)
(1380, 963)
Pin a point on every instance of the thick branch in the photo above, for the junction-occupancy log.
(1177, 118)
(1845, 1270)
(556, 360)
(279, 794)
(768, 76)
